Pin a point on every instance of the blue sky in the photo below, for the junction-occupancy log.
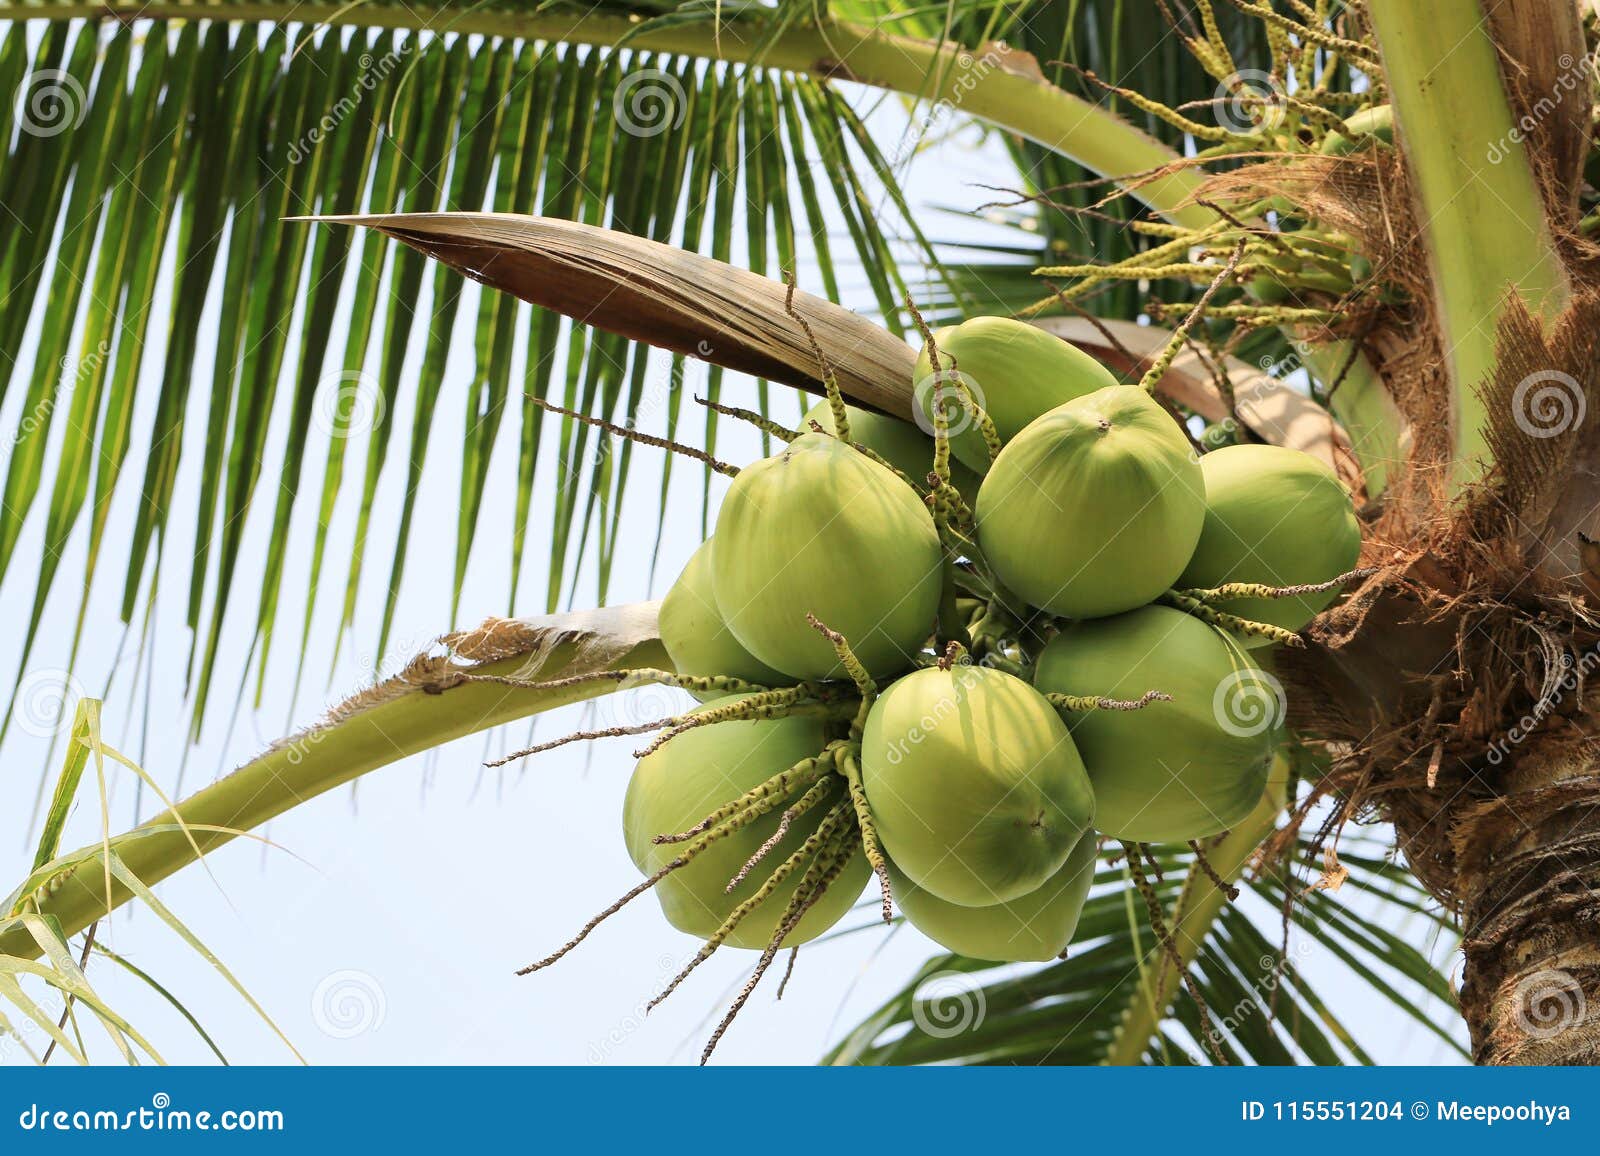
(384, 924)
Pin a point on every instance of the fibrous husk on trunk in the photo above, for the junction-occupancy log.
(1453, 688)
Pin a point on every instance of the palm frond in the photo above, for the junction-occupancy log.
(1253, 968)
(464, 683)
(223, 131)
(37, 959)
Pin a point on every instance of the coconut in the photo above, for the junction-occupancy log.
(1035, 927)
(1375, 121)
(1268, 290)
(693, 774)
(975, 787)
(901, 444)
(822, 529)
(1174, 770)
(1094, 508)
(1219, 434)
(1278, 517)
(1016, 372)
(697, 639)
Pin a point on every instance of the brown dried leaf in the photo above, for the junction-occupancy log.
(665, 297)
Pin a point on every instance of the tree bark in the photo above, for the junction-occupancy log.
(1529, 894)
(1491, 778)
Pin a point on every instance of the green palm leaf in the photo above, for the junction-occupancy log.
(1250, 966)
(224, 130)
(227, 120)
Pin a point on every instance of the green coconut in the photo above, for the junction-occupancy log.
(1035, 927)
(1359, 127)
(1278, 517)
(698, 771)
(1016, 371)
(822, 529)
(1267, 289)
(697, 639)
(1183, 769)
(1220, 433)
(900, 443)
(976, 789)
(1094, 508)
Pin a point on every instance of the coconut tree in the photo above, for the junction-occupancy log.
(1388, 197)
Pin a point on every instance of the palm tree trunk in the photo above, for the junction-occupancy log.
(1493, 789)
(1459, 693)
(1528, 887)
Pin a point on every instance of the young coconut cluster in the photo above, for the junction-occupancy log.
(960, 674)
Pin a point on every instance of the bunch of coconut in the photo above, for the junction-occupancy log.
(959, 653)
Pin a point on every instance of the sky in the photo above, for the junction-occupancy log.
(384, 923)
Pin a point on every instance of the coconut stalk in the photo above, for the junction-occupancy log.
(1479, 205)
(1266, 406)
(1197, 908)
(992, 82)
(440, 695)
(999, 84)
(1460, 679)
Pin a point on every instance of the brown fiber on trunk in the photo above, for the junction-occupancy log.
(1528, 882)
(1470, 724)
(1458, 690)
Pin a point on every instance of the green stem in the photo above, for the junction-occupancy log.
(372, 730)
(1366, 409)
(1478, 202)
(1199, 904)
(1002, 86)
